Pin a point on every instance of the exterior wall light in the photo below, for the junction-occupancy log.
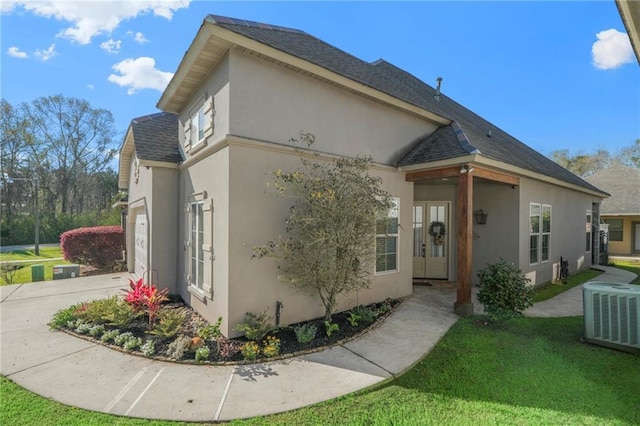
(481, 217)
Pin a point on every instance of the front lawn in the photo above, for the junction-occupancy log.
(527, 371)
(45, 253)
(551, 289)
(23, 275)
(631, 266)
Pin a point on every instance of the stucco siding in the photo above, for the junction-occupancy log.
(210, 175)
(164, 227)
(140, 199)
(216, 85)
(498, 238)
(568, 228)
(272, 103)
(257, 216)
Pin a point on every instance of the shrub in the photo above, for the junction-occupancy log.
(169, 323)
(354, 319)
(99, 311)
(202, 354)
(211, 331)
(331, 328)
(132, 343)
(149, 348)
(83, 328)
(250, 350)
(119, 314)
(108, 336)
(120, 339)
(97, 330)
(255, 327)
(365, 313)
(63, 317)
(271, 346)
(145, 297)
(228, 348)
(504, 290)
(99, 246)
(305, 333)
(178, 347)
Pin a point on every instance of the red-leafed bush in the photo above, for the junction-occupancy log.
(99, 246)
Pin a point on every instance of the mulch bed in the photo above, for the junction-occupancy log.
(289, 344)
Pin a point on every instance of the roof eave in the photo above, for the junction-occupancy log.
(124, 161)
(216, 41)
(630, 14)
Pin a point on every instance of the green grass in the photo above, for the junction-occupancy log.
(630, 266)
(527, 371)
(23, 275)
(549, 290)
(45, 253)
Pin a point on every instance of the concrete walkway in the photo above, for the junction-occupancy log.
(82, 374)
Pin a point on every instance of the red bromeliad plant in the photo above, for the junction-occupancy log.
(145, 297)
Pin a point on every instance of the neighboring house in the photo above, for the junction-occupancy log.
(243, 89)
(622, 210)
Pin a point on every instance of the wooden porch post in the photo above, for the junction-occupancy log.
(464, 213)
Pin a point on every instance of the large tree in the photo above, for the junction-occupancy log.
(72, 142)
(329, 249)
(585, 164)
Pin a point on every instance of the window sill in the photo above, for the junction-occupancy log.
(197, 147)
(376, 274)
(197, 293)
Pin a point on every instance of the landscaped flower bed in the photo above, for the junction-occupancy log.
(147, 322)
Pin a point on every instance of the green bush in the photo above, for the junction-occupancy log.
(305, 333)
(169, 323)
(63, 317)
(364, 313)
(211, 331)
(255, 327)
(504, 291)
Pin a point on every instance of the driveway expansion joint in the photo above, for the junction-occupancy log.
(369, 361)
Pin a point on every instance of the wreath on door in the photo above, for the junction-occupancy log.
(438, 230)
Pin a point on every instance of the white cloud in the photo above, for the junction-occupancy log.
(111, 45)
(16, 53)
(612, 50)
(45, 55)
(90, 86)
(139, 73)
(92, 18)
(138, 37)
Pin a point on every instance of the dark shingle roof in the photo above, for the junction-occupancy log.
(387, 78)
(623, 183)
(156, 137)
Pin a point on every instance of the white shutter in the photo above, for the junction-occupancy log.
(209, 113)
(207, 285)
(187, 134)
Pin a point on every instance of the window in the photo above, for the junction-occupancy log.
(534, 233)
(546, 232)
(387, 240)
(588, 227)
(195, 242)
(615, 229)
(197, 127)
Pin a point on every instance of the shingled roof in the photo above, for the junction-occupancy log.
(387, 78)
(156, 137)
(623, 183)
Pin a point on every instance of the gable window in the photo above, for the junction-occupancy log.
(197, 127)
(588, 228)
(387, 240)
(196, 237)
(615, 229)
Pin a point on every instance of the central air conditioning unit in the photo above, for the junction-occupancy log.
(612, 314)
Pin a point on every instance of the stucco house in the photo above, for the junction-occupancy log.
(622, 210)
(196, 175)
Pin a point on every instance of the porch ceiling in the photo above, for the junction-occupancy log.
(437, 175)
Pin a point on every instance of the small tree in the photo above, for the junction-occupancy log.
(504, 291)
(330, 247)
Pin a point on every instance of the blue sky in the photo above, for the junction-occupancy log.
(556, 75)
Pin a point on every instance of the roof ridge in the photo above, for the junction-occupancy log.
(227, 20)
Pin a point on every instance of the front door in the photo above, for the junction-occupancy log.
(431, 240)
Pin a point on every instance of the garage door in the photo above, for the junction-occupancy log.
(141, 244)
